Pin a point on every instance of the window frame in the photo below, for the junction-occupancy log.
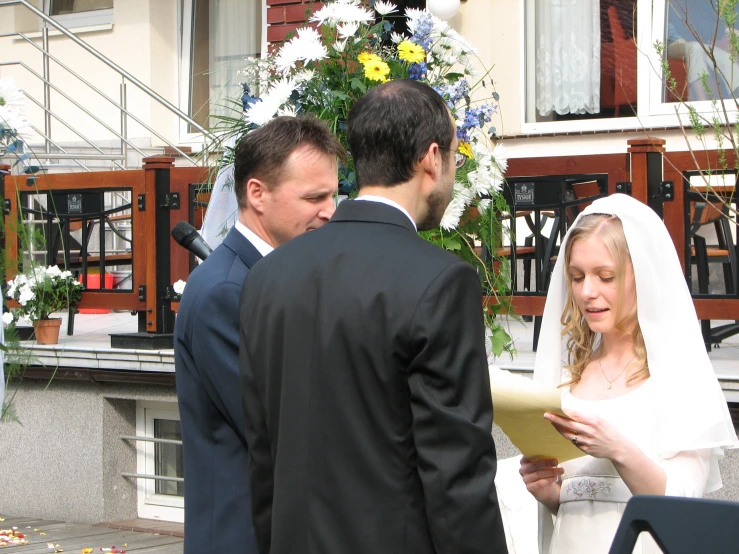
(81, 19)
(651, 110)
(150, 504)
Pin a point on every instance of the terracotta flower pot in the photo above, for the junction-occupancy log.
(47, 330)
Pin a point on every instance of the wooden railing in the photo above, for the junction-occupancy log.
(157, 261)
(642, 171)
(161, 195)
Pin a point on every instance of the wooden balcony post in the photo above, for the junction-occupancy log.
(159, 315)
(646, 170)
(9, 247)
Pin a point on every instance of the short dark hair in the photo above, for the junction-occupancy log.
(262, 153)
(391, 129)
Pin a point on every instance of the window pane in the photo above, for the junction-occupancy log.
(689, 36)
(61, 7)
(224, 33)
(582, 60)
(168, 457)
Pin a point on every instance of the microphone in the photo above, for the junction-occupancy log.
(188, 237)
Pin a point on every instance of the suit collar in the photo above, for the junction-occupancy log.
(242, 247)
(371, 212)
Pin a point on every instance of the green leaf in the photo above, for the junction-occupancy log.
(452, 244)
(356, 84)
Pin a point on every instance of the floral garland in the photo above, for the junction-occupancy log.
(324, 72)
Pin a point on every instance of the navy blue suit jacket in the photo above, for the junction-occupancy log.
(218, 514)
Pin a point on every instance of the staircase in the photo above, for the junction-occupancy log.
(85, 128)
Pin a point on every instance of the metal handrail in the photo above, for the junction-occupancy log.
(108, 98)
(109, 63)
(122, 106)
(105, 156)
(75, 103)
(75, 160)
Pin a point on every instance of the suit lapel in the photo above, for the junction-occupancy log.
(242, 247)
(371, 212)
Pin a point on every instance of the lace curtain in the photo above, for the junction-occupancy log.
(567, 56)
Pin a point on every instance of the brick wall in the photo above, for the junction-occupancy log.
(284, 16)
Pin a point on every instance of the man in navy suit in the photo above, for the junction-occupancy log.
(285, 176)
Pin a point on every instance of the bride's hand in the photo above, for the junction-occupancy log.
(591, 434)
(541, 477)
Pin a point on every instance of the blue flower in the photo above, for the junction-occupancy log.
(417, 71)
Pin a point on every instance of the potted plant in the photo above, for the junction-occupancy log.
(40, 293)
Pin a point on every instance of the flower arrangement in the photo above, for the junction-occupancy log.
(43, 292)
(324, 72)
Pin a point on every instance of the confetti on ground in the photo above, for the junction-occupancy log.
(11, 537)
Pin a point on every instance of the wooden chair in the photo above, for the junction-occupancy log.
(709, 209)
(618, 66)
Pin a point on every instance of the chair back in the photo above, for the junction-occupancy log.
(679, 525)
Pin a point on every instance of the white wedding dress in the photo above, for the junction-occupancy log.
(593, 496)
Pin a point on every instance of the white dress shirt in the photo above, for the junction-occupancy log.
(383, 200)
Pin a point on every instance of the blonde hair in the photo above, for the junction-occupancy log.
(580, 338)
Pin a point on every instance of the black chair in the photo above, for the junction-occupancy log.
(709, 210)
(679, 525)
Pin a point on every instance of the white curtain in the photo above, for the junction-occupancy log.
(567, 56)
(235, 32)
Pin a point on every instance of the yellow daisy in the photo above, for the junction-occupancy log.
(465, 148)
(376, 70)
(366, 57)
(411, 52)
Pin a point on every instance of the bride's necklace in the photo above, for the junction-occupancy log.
(611, 381)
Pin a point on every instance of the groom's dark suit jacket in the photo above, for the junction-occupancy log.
(217, 495)
(367, 395)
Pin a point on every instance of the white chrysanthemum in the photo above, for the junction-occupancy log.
(288, 111)
(347, 30)
(488, 175)
(10, 118)
(397, 38)
(484, 204)
(385, 8)
(26, 295)
(261, 112)
(500, 157)
(8, 318)
(343, 12)
(306, 46)
(453, 214)
(340, 46)
(179, 287)
(10, 95)
(303, 76)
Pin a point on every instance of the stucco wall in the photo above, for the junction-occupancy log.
(66, 456)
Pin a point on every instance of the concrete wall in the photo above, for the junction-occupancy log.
(66, 458)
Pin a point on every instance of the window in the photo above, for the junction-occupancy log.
(690, 32)
(594, 65)
(160, 498)
(81, 13)
(62, 7)
(221, 34)
(581, 60)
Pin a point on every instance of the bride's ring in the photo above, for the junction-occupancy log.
(574, 439)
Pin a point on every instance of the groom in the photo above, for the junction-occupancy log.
(365, 382)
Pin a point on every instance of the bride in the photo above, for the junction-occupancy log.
(646, 408)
